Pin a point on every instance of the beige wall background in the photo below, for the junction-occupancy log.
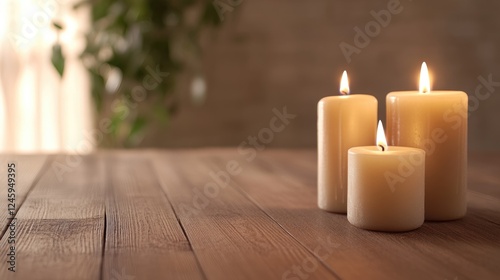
(271, 54)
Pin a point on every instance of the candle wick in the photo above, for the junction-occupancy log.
(383, 149)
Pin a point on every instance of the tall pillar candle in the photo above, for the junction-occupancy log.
(386, 186)
(344, 121)
(435, 121)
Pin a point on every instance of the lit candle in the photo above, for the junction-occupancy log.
(344, 121)
(435, 121)
(386, 186)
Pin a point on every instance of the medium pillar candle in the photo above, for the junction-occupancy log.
(386, 188)
(435, 121)
(343, 122)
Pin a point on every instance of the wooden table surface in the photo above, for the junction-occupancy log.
(155, 214)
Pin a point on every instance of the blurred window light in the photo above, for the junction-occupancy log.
(40, 111)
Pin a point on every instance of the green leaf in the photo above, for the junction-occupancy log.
(57, 25)
(97, 89)
(116, 122)
(58, 59)
(137, 127)
(162, 114)
(136, 132)
(136, 38)
(210, 15)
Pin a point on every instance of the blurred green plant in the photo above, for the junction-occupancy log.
(134, 51)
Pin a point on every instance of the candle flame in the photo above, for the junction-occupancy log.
(344, 84)
(381, 141)
(425, 83)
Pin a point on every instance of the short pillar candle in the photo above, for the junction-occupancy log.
(386, 190)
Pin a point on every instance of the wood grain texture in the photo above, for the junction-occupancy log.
(484, 173)
(60, 226)
(27, 171)
(130, 215)
(143, 237)
(232, 238)
(436, 251)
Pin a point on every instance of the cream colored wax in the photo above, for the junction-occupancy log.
(343, 122)
(436, 122)
(386, 188)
